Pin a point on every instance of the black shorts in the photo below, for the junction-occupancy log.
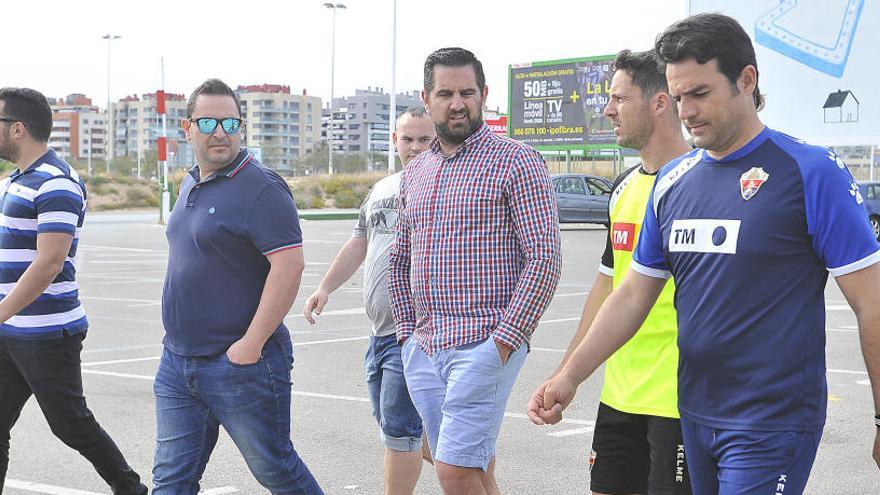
(624, 445)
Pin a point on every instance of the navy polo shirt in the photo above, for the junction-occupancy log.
(219, 234)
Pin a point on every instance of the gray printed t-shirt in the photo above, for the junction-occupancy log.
(378, 223)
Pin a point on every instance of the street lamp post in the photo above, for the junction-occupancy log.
(392, 107)
(109, 38)
(334, 7)
(88, 130)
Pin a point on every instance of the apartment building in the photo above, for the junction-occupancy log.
(361, 123)
(78, 129)
(283, 126)
(136, 127)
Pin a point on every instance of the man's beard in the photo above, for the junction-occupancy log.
(458, 135)
(8, 151)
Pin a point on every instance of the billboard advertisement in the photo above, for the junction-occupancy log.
(558, 105)
(818, 65)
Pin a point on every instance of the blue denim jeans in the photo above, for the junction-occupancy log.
(399, 422)
(196, 395)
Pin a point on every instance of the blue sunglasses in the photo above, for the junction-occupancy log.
(207, 125)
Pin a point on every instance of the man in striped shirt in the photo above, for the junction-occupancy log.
(43, 324)
(473, 268)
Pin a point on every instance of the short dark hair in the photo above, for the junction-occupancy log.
(214, 87)
(29, 107)
(413, 112)
(645, 70)
(705, 37)
(452, 57)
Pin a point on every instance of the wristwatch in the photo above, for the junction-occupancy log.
(877, 420)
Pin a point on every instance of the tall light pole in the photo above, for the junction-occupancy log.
(109, 38)
(334, 7)
(392, 110)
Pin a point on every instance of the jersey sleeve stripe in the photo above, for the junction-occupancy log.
(604, 270)
(665, 182)
(650, 272)
(856, 265)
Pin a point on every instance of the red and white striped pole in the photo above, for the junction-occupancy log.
(162, 152)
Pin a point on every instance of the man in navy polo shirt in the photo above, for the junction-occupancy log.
(42, 323)
(234, 269)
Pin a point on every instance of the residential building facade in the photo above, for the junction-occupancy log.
(136, 127)
(78, 129)
(361, 123)
(283, 126)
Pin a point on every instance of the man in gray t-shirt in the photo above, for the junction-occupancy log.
(370, 244)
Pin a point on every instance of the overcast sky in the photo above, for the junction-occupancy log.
(56, 46)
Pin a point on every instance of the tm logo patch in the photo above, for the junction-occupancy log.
(704, 236)
(623, 236)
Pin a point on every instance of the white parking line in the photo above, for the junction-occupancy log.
(122, 280)
(571, 294)
(118, 299)
(121, 361)
(571, 432)
(60, 490)
(837, 307)
(156, 358)
(347, 398)
(92, 247)
(118, 375)
(559, 320)
(120, 348)
(220, 491)
(848, 372)
(331, 341)
(47, 489)
(546, 349)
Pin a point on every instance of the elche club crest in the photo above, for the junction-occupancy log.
(751, 181)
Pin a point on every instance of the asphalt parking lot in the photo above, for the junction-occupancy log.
(121, 268)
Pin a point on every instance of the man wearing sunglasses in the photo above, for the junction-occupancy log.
(42, 323)
(234, 269)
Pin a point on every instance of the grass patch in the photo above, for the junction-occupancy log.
(333, 191)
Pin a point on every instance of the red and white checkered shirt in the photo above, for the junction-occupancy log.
(477, 250)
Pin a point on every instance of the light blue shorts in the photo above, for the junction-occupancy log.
(461, 394)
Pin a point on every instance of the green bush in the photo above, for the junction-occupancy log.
(140, 198)
(347, 198)
(96, 181)
(337, 191)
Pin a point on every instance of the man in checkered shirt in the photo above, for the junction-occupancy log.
(474, 266)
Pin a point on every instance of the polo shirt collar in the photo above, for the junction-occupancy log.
(473, 140)
(45, 157)
(239, 162)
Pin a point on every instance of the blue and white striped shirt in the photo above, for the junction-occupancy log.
(47, 197)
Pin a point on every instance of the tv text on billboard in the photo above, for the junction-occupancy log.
(560, 104)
